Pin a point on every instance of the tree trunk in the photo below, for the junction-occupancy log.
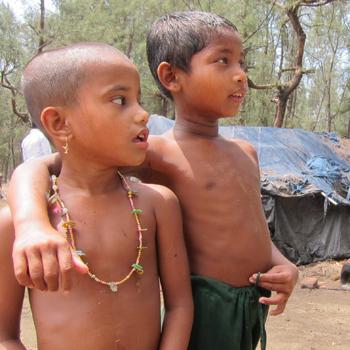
(42, 26)
(12, 149)
(288, 88)
(281, 105)
(6, 167)
(290, 108)
(328, 107)
(131, 41)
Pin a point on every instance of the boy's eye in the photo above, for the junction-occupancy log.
(242, 64)
(223, 60)
(120, 100)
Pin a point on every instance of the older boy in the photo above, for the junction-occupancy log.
(216, 180)
(86, 98)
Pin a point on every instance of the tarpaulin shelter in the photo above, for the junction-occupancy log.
(305, 186)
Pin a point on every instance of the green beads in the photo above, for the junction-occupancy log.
(137, 211)
(138, 268)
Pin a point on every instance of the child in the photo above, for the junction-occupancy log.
(197, 60)
(86, 98)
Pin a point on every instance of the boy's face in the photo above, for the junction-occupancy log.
(216, 83)
(108, 123)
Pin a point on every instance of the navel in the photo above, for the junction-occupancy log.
(210, 185)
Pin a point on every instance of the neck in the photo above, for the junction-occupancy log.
(90, 179)
(199, 127)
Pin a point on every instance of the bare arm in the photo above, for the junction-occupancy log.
(174, 273)
(281, 278)
(40, 254)
(283, 274)
(29, 184)
(11, 293)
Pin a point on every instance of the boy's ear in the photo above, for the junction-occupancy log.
(55, 123)
(167, 75)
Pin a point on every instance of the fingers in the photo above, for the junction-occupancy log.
(65, 259)
(270, 277)
(21, 269)
(46, 266)
(278, 310)
(68, 261)
(282, 282)
(46, 263)
(36, 270)
(277, 287)
(50, 270)
(79, 265)
(279, 299)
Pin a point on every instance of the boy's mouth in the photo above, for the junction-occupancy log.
(238, 96)
(142, 136)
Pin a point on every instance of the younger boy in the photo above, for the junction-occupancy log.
(197, 60)
(86, 98)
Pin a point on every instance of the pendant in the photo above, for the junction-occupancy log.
(113, 287)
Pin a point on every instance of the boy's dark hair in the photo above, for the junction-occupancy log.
(176, 37)
(54, 77)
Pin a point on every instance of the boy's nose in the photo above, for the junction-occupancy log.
(240, 76)
(142, 116)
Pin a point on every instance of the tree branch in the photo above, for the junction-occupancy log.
(254, 86)
(315, 3)
(261, 23)
(4, 82)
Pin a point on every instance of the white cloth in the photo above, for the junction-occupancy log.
(35, 145)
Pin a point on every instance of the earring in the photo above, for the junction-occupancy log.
(66, 146)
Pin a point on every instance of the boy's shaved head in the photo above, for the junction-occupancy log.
(176, 37)
(54, 77)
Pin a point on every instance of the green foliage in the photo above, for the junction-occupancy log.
(11, 54)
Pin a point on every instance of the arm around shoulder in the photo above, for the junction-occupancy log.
(36, 240)
(174, 272)
(11, 293)
(28, 185)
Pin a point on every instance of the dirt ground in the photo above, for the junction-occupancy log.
(315, 319)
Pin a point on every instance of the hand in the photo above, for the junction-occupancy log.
(43, 259)
(280, 279)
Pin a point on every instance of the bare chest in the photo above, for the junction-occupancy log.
(214, 173)
(110, 239)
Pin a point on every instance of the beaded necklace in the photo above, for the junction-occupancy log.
(68, 225)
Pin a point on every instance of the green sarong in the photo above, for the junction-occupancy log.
(227, 318)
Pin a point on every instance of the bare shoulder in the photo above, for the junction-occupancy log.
(163, 194)
(155, 141)
(155, 194)
(245, 147)
(158, 143)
